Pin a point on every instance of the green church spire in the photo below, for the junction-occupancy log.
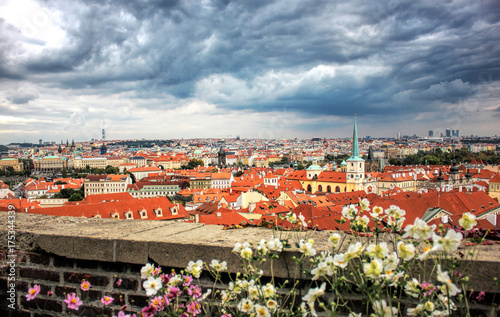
(355, 146)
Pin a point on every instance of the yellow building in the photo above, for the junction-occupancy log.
(494, 187)
(11, 162)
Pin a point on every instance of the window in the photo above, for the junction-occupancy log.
(143, 213)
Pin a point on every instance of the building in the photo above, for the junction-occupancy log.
(16, 165)
(105, 184)
(222, 180)
(431, 133)
(155, 189)
(494, 187)
(50, 164)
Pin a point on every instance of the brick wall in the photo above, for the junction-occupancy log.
(62, 276)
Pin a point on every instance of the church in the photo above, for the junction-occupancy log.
(350, 177)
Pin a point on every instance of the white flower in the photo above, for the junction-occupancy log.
(353, 251)
(412, 288)
(253, 292)
(340, 260)
(379, 251)
(321, 270)
(174, 280)
(363, 221)
(382, 310)
(373, 269)
(425, 254)
(429, 306)
(395, 278)
(447, 243)
(219, 266)
(147, 271)
(377, 212)
(262, 247)
(272, 305)
(237, 247)
(306, 248)
(275, 244)
(391, 262)
(419, 230)
(292, 217)
(152, 285)
(406, 251)
(246, 253)
(415, 311)
(268, 290)
(353, 314)
(335, 238)
(261, 310)
(195, 268)
(349, 212)
(443, 277)
(468, 221)
(313, 294)
(364, 204)
(245, 305)
(303, 220)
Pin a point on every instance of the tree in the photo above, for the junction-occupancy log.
(300, 167)
(64, 172)
(132, 176)
(75, 197)
(111, 170)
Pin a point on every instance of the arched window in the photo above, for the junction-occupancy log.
(309, 188)
(320, 188)
(337, 189)
(328, 189)
(345, 189)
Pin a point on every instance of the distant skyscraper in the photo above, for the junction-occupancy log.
(40, 141)
(448, 133)
(431, 133)
(399, 135)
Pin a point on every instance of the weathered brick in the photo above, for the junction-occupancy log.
(15, 313)
(37, 258)
(49, 305)
(60, 261)
(138, 300)
(126, 284)
(85, 264)
(39, 274)
(116, 267)
(96, 280)
(61, 291)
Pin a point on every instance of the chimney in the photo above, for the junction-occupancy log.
(196, 218)
(219, 214)
(460, 188)
(492, 219)
(444, 219)
(26, 209)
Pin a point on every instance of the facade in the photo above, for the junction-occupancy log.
(222, 180)
(202, 180)
(50, 164)
(155, 189)
(91, 162)
(494, 187)
(105, 184)
(11, 162)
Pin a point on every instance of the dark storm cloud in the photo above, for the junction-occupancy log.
(426, 53)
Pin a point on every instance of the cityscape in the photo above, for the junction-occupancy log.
(358, 140)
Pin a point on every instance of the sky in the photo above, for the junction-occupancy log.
(255, 69)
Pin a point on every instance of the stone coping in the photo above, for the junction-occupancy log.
(174, 244)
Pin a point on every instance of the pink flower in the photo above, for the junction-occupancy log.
(32, 292)
(148, 311)
(157, 271)
(173, 292)
(85, 286)
(106, 300)
(226, 315)
(187, 280)
(49, 293)
(480, 297)
(122, 314)
(73, 301)
(164, 278)
(119, 282)
(194, 308)
(194, 291)
(157, 302)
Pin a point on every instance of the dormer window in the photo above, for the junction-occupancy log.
(174, 210)
(128, 215)
(115, 215)
(143, 213)
(158, 212)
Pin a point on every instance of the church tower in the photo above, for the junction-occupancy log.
(355, 164)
